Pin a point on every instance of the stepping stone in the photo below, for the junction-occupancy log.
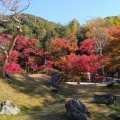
(115, 116)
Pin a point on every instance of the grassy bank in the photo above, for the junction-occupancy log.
(33, 96)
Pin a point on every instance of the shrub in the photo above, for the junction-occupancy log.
(97, 78)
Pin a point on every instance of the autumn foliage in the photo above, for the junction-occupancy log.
(25, 55)
(60, 54)
(14, 68)
(113, 49)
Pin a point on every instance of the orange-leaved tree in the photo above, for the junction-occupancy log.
(62, 47)
(113, 48)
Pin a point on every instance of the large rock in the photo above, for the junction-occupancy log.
(55, 79)
(105, 98)
(76, 110)
(8, 107)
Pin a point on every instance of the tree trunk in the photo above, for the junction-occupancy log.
(103, 71)
(13, 40)
(4, 62)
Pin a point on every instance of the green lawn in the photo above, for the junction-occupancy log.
(33, 96)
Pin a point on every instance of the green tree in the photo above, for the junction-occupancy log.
(26, 30)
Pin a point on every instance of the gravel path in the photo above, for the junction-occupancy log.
(91, 83)
(87, 83)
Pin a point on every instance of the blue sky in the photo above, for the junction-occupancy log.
(64, 11)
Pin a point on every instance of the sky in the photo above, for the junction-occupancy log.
(64, 11)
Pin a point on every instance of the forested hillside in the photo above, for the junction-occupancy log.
(44, 30)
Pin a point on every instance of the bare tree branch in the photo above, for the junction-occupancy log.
(12, 6)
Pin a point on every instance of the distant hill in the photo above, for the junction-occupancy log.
(29, 19)
(33, 26)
